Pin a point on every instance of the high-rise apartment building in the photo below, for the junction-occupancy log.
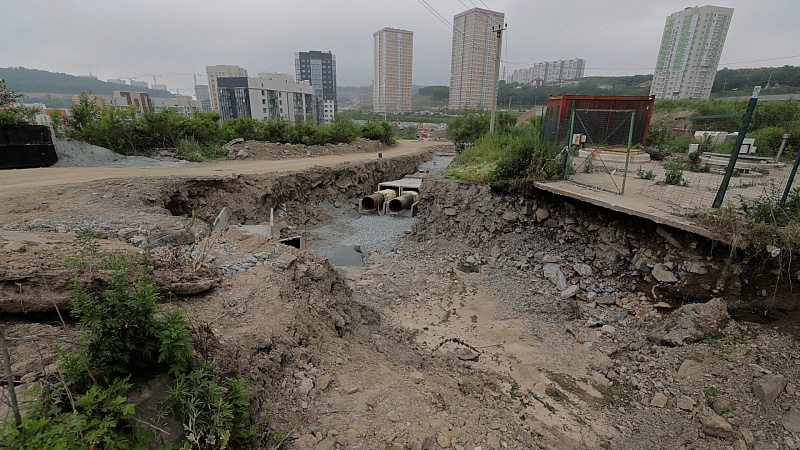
(203, 96)
(215, 73)
(393, 53)
(319, 68)
(550, 73)
(473, 65)
(690, 50)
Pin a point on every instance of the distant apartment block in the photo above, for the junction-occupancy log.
(319, 68)
(393, 53)
(182, 104)
(550, 73)
(203, 96)
(139, 83)
(159, 87)
(690, 50)
(473, 65)
(268, 96)
(214, 73)
(117, 81)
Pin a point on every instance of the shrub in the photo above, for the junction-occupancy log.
(674, 177)
(211, 414)
(645, 175)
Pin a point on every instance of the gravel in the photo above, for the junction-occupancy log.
(81, 154)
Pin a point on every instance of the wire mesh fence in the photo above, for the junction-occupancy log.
(695, 186)
(599, 148)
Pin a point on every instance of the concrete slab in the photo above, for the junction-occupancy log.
(631, 204)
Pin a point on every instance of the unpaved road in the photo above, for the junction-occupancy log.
(24, 179)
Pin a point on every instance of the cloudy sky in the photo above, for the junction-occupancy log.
(142, 38)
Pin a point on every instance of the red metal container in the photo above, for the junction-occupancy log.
(595, 121)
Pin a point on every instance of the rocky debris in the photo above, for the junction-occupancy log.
(769, 387)
(241, 149)
(693, 322)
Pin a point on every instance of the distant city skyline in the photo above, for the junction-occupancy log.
(176, 38)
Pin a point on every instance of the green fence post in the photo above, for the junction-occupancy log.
(569, 141)
(791, 178)
(735, 155)
(628, 156)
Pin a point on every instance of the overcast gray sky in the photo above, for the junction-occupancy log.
(163, 37)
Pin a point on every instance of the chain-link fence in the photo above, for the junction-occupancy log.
(695, 186)
(600, 148)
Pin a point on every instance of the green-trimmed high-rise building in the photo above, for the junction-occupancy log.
(690, 50)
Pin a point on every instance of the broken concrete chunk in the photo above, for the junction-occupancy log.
(663, 275)
(570, 291)
(691, 323)
(284, 261)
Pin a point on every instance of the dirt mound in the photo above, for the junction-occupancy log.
(273, 150)
(73, 153)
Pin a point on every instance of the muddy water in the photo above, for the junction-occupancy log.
(350, 236)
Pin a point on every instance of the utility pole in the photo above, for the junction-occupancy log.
(499, 33)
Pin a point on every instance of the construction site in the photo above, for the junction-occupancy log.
(368, 302)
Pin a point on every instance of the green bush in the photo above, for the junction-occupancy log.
(212, 415)
(674, 177)
(527, 154)
(125, 332)
(645, 174)
(768, 140)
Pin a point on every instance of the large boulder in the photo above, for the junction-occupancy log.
(692, 323)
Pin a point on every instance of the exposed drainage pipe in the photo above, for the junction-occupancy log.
(404, 201)
(376, 200)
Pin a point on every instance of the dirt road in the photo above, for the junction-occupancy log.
(24, 179)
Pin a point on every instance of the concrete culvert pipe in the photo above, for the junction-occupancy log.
(376, 200)
(404, 201)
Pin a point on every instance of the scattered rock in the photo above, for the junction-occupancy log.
(284, 261)
(691, 369)
(791, 421)
(570, 291)
(769, 387)
(323, 381)
(542, 214)
(714, 425)
(306, 385)
(691, 323)
(553, 272)
(663, 275)
(393, 416)
(466, 354)
(686, 403)
(659, 400)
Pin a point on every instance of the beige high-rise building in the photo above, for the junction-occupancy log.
(472, 67)
(215, 72)
(689, 55)
(393, 52)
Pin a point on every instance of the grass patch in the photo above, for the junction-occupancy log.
(193, 151)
